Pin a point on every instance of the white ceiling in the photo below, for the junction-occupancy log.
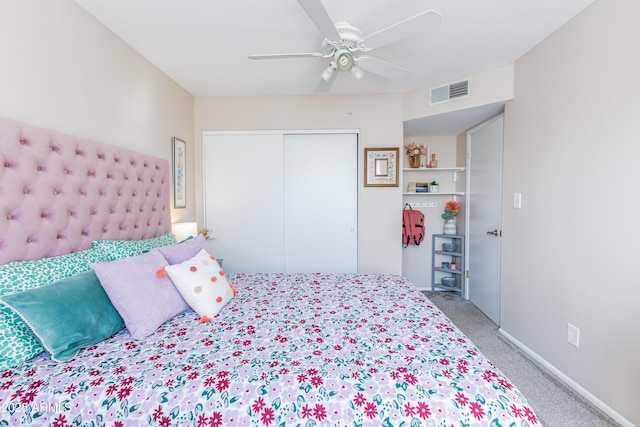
(203, 44)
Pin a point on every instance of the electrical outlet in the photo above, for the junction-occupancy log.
(573, 335)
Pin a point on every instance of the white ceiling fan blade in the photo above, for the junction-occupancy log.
(320, 18)
(383, 69)
(325, 85)
(404, 29)
(287, 55)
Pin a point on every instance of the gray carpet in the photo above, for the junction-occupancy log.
(555, 404)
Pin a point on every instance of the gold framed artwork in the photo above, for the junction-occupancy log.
(381, 167)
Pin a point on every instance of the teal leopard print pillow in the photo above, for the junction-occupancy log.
(118, 249)
(17, 342)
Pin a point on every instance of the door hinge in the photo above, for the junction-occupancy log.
(468, 274)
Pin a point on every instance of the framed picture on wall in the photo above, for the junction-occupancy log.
(179, 173)
(381, 167)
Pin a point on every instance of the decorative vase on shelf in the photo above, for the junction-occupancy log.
(434, 162)
(414, 161)
(449, 226)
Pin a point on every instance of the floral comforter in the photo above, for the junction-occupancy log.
(289, 350)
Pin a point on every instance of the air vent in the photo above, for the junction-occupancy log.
(448, 92)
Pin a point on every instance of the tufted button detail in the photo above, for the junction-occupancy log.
(83, 181)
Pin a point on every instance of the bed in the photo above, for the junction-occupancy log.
(283, 350)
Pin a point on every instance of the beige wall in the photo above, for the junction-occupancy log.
(61, 69)
(379, 119)
(569, 254)
(486, 87)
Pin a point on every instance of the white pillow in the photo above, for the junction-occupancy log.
(202, 284)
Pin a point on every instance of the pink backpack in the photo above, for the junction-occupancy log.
(412, 226)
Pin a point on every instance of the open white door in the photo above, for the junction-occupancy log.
(484, 183)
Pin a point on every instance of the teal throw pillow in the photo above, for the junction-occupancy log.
(17, 342)
(67, 315)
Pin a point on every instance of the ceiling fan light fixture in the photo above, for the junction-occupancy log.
(357, 72)
(344, 59)
(328, 72)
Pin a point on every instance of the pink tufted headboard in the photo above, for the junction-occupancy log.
(58, 193)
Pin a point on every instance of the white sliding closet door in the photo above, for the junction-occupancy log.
(282, 202)
(243, 200)
(321, 203)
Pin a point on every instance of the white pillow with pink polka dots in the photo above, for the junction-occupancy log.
(202, 284)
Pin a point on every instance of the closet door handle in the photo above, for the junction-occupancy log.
(494, 233)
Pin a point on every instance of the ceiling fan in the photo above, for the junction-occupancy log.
(348, 48)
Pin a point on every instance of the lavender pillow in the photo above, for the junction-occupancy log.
(185, 250)
(139, 289)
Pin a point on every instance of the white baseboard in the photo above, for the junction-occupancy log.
(569, 382)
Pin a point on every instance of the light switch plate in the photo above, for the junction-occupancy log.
(517, 200)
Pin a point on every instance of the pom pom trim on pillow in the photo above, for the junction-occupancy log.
(202, 284)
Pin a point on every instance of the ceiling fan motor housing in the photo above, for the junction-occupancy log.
(350, 39)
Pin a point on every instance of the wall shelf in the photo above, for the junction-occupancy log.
(439, 193)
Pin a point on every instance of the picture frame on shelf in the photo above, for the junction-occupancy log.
(381, 167)
(179, 173)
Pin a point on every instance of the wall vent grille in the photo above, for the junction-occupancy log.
(448, 92)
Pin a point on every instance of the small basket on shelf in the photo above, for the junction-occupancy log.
(449, 282)
(449, 247)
